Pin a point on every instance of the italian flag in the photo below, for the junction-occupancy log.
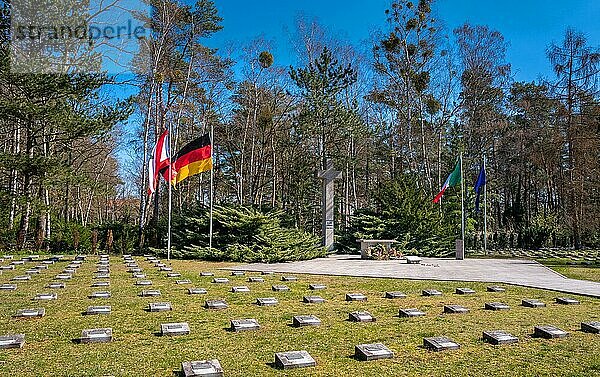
(452, 180)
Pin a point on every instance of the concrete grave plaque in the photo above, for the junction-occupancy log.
(355, 297)
(30, 313)
(431, 292)
(8, 287)
(159, 307)
(220, 280)
(240, 289)
(132, 265)
(496, 306)
(465, 291)
(413, 259)
(138, 276)
(266, 301)
(32, 271)
(46, 296)
(207, 274)
(313, 299)
(100, 294)
(440, 343)
(532, 303)
(7, 257)
(183, 281)
(101, 284)
(143, 282)
(103, 271)
(255, 280)
(280, 288)
(72, 266)
(21, 278)
(566, 301)
(56, 285)
(166, 269)
(495, 288)
(294, 359)
(591, 327)
(7, 268)
(104, 262)
(305, 320)
(203, 368)
(96, 336)
(18, 263)
(71, 271)
(249, 324)
(237, 273)
(135, 270)
(98, 310)
(173, 275)
(215, 304)
(160, 265)
(499, 337)
(174, 329)
(102, 276)
(549, 332)
(411, 312)
(395, 294)
(455, 309)
(361, 317)
(316, 287)
(48, 262)
(12, 341)
(266, 273)
(289, 278)
(150, 293)
(197, 291)
(368, 352)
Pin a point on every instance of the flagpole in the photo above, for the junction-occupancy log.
(462, 204)
(212, 170)
(170, 196)
(485, 208)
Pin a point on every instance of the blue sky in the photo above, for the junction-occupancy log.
(528, 25)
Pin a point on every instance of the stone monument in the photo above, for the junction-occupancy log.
(329, 175)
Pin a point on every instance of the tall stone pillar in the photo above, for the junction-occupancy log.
(328, 176)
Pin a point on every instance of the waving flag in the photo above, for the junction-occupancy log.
(159, 161)
(192, 159)
(478, 186)
(452, 180)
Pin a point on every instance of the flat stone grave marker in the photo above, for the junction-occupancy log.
(203, 368)
(249, 324)
(566, 301)
(173, 275)
(280, 288)
(72, 266)
(294, 359)
(96, 336)
(355, 297)
(7, 257)
(174, 329)
(7, 268)
(316, 287)
(220, 280)
(159, 265)
(102, 276)
(32, 271)
(289, 278)
(104, 263)
(266, 273)
(100, 294)
(591, 327)
(395, 294)
(440, 343)
(132, 265)
(143, 282)
(361, 317)
(375, 351)
(135, 270)
(21, 278)
(207, 274)
(71, 271)
(255, 280)
(499, 337)
(413, 259)
(166, 269)
(56, 285)
(532, 303)
(549, 332)
(496, 306)
(183, 281)
(8, 287)
(98, 310)
(305, 320)
(465, 291)
(266, 301)
(12, 341)
(240, 289)
(495, 288)
(103, 271)
(159, 307)
(411, 312)
(101, 284)
(18, 263)
(30, 313)
(237, 273)
(431, 292)
(48, 262)
(313, 299)
(197, 291)
(150, 293)
(455, 309)
(215, 304)
(45, 296)
(138, 276)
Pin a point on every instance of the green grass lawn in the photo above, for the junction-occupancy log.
(138, 351)
(578, 272)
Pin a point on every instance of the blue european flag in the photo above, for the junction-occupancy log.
(478, 185)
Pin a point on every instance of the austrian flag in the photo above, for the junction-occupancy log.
(159, 161)
(452, 180)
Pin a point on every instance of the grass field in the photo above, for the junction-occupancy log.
(581, 272)
(138, 351)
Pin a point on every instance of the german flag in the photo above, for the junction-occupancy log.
(194, 158)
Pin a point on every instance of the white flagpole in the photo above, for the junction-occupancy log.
(170, 196)
(462, 204)
(485, 207)
(212, 174)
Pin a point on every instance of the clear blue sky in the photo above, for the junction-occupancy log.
(528, 25)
